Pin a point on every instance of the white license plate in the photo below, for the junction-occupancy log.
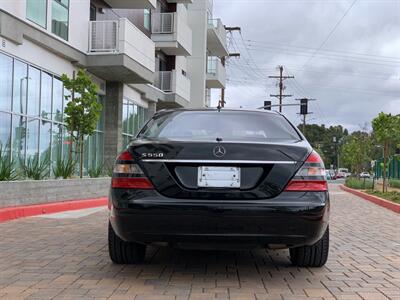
(228, 177)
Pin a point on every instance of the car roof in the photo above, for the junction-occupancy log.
(223, 109)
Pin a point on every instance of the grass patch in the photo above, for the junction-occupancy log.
(391, 196)
(359, 184)
(394, 183)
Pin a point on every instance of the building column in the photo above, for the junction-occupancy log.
(113, 121)
(152, 108)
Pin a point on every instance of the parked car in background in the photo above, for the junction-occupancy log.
(343, 173)
(365, 175)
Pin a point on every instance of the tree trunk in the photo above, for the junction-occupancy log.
(81, 156)
(71, 145)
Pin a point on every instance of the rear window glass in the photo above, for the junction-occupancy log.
(226, 125)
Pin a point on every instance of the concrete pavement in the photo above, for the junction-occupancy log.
(65, 256)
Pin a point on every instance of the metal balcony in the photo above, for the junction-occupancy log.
(180, 1)
(132, 4)
(216, 74)
(216, 38)
(119, 51)
(175, 86)
(171, 34)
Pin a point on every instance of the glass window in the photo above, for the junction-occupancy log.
(141, 119)
(135, 120)
(87, 154)
(44, 140)
(100, 124)
(20, 87)
(32, 138)
(228, 125)
(125, 116)
(18, 137)
(100, 148)
(36, 11)
(56, 142)
(5, 136)
(57, 100)
(147, 19)
(92, 12)
(33, 91)
(60, 18)
(6, 70)
(67, 143)
(131, 117)
(46, 92)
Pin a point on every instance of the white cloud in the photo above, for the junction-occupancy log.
(351, 88)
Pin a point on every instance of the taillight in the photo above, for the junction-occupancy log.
(311, 177)
(128, 175)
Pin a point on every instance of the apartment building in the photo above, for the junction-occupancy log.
(144, 55)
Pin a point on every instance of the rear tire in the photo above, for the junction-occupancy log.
(314, 256)
(122, 252)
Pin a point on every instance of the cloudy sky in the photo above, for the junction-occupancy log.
(345, 53)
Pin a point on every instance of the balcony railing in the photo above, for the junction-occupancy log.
(163, 81)
(163, 22)
(173, 82)
(121, 37)
(216, 73)
(212, 65)
(219, 27)
(103, 36)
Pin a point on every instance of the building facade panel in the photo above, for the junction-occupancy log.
(143, 63)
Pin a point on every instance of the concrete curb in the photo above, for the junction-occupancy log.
(12, 213)
(378, 201)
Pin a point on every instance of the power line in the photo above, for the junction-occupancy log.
(280, 46)
(331, 32)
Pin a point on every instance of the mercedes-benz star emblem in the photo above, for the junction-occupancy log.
(219, 151)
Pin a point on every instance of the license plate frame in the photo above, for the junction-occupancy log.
(218, 177)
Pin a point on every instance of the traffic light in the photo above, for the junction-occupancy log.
(304, 106)
(267, 105)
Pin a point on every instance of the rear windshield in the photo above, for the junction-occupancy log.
(226, 125)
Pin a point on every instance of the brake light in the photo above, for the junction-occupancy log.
(311, 177)
(128, 175)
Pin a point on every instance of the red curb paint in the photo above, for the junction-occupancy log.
(12, 213)
(378, 201)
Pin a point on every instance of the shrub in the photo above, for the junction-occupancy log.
(359, 184)
(64, 168)
(391, 196)
(96, 172)
(35, 168)
(7, 167)
(395, 183)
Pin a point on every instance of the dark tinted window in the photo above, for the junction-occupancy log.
(227, 125)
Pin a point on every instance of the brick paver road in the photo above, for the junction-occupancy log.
(66, 258)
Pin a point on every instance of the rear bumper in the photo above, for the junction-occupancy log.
(289, 220)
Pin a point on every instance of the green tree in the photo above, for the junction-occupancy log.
(82, 111)
(356, 151)
(386, 132)
(321, 138)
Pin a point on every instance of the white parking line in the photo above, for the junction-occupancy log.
(73, 214)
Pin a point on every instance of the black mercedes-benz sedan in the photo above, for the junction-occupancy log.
(219, 178)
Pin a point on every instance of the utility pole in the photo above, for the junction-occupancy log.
(229, 29)
(223, 61)
(304, 111)
(282, 87)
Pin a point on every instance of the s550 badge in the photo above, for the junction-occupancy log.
(153, 155)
